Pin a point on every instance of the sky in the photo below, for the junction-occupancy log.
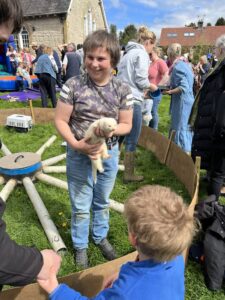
(157, 14)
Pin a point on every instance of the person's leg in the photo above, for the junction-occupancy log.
(20, 84)
(80, 185)
(59, 78)
(147, 111)
(43, 90)
(100, 204)
(217, 172)
(51, 89)
(131, 141)
(102, 189)
(155, 117)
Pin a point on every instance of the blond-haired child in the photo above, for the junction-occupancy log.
(160, 228)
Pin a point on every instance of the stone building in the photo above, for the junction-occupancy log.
(54, 22)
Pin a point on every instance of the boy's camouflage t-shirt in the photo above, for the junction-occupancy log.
(92, 102)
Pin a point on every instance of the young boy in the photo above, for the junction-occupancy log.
(160, 228)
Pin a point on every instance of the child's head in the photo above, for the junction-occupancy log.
(11, 17)
(160, 221)
(103, 39)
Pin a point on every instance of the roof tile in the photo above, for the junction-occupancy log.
(44, 7)
(205, 35)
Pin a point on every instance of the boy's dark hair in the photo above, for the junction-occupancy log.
(11, 13)
(102, 38)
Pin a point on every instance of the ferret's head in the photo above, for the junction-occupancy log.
(107, 124)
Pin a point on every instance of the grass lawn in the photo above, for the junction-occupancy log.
(23, 224)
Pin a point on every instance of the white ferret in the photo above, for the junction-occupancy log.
(107, 125)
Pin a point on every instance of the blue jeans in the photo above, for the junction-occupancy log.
(131, 139)
(85, 195)
(147, 111)
(155, 117)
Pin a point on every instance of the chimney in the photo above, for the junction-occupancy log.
(200, 24)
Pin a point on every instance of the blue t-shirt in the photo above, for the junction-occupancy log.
(138, 281)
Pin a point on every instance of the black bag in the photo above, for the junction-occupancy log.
(211, 214)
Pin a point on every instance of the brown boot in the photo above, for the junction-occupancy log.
(129, 175)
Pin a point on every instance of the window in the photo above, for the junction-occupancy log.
(22, 39)
(89, 21)
(94, 26)
(85, 26)
(189, 34)
(25, 37)
(171, 34)
(16, 40)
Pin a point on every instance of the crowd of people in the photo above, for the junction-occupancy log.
(45, 62)
(160, 225)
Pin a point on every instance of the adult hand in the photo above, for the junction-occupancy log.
(51, 283)
(153, 87)
(51, 262)
(92, 150)
(166, 92)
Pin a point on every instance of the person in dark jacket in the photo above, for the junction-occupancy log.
(208, 119)
(211, 214)
(47, 77)
(71, 62)
(19, 265)
(59, 65)
(38, 51)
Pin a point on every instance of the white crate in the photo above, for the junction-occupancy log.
(19, 121)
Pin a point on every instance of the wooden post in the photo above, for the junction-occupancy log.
(31, 110)
(194, 200)
(171, 138)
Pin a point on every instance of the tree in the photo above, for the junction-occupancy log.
(191, 25)
(209, 24)
(220, 22)
(129, 33)
(113, 29)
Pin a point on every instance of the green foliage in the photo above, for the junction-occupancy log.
(191, 25)
(113, 29)
(220, 22)
(198, 51)
(129, 33)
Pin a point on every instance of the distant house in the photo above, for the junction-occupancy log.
(54, 22)
(191, 36)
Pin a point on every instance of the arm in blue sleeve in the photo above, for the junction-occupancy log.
(181, 79)
(64, 292)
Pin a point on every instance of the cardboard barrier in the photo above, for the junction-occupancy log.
(89, 282)
(42, 115)
(155, 142)
(182, 166)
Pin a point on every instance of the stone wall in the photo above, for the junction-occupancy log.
(52, 30)
(75, 19)
(45, 30)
